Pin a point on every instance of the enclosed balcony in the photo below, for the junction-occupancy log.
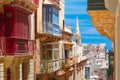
(51, 20)
(50, 30)
(50, 58)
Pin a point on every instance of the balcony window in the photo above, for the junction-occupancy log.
(51, 51)
(56, 55)
(49, 54)
(51, 20)
(17, 23)
(66, 54)
(55, 19)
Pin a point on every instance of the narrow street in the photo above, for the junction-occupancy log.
(59, 40)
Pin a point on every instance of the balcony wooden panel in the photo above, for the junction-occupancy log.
(49, 66)
(48, 37)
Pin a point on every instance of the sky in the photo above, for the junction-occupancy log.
(89, 34)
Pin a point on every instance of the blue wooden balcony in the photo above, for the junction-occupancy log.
(52, 29)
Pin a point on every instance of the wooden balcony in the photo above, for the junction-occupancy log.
(48, 66)
(66, 63)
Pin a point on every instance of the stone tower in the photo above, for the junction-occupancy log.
(77, 35)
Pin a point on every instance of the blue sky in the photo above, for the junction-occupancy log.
(74, 8)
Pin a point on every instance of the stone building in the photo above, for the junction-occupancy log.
(16, 42)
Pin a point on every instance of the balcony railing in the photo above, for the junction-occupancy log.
(68, 62)
(96, 5)
(50, 66)
(52, 29)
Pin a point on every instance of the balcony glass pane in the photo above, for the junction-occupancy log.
(56, 54)
(55, 19)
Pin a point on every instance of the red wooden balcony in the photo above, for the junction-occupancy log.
(16, 46)
(16, 22)
(19, 47)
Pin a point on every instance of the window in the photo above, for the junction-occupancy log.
(55, 19)
(49, 54)
(56, 54)
(52, 51)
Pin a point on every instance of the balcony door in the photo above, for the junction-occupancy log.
(66, 53)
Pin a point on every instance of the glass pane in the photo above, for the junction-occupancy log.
(49, 54)
(56, 46)
(55, 20)
(49, 46)
(56, 54)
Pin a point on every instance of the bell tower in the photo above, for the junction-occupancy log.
(77, 35)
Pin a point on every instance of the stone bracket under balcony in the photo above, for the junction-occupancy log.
(48, 37)
(31, 5)
(68, 44)
(104, 22)
(83, 62)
